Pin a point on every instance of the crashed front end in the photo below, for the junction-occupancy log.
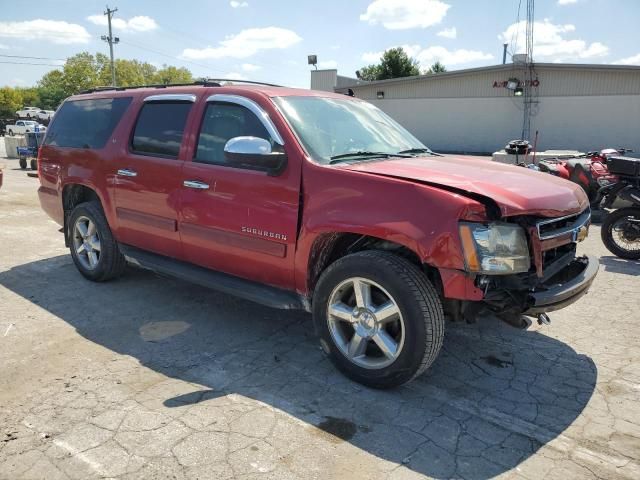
(526, 266)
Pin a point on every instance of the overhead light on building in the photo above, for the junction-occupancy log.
(313, 60)
(512, 84)
(380, 95)
(518, 91)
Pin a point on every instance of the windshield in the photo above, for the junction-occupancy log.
(331, 127)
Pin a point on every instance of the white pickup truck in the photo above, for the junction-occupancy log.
(24, 126)
(28, 112)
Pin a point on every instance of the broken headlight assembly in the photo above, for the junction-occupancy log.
(494, 248)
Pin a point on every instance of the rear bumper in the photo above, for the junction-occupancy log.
(557, 295)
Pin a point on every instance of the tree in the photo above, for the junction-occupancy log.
(84, 71)
(51, 88)
(394, 63)
(168, 74)
(80, 72)
(436, 68)
(10, 102)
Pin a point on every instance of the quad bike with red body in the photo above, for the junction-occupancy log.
(590, 170)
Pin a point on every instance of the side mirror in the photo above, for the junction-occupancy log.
(255, 154)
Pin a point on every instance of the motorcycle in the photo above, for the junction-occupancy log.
(589, 170)
(621, 228)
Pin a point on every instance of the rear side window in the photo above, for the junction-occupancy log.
(86, 123)
(159, 128)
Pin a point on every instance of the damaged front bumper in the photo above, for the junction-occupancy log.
(563, 289)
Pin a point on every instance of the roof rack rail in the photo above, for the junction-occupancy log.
(202, 83)
(205, 82)
(237, 80)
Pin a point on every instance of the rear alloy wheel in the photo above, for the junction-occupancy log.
(86, 242)
(93, 248)
(380, 320)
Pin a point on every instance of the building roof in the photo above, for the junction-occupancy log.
(497, 68)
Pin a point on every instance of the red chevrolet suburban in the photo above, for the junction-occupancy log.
(309, 200)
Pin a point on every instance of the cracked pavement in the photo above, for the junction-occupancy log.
(149, 377)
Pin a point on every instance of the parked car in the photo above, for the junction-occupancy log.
(45, 115)
(310, 200)
(28, 112)
(24, 126)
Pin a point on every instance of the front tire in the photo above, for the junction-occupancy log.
(380, 319)
(621, 233)
(93, 248)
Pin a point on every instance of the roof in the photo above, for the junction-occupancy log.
(498, 68)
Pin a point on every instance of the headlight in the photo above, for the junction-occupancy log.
(494, 249)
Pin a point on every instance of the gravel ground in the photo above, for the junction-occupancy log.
(148, 377)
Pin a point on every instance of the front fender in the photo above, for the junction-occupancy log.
(422, 218)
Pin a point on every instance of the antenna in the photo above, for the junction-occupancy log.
(528, 72)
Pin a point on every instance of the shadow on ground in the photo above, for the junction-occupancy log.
(620, 265)
(491, 400)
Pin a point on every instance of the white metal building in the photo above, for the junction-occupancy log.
(577, 107)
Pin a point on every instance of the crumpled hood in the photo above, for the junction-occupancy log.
(516, 190)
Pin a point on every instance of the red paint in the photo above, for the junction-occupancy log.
(413, 202)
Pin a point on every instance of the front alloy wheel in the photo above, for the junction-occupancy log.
(379, 318)
(365, 323)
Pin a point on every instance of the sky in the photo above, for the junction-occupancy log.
(269, 40)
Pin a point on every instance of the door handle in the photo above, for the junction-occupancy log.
(195, 184)
(124, 172)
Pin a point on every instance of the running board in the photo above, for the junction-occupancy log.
(255, 292)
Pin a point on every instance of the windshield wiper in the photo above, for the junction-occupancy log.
(420, 150)
(351, 155)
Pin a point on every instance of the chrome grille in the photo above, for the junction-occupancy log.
(556, 227)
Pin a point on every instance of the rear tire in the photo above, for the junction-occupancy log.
(93, 248)
(34, 164)
(411, 337)
(607, 232)
(23, 163)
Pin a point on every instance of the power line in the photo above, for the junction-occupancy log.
(33, 58)
(27, 63)
(141, 47)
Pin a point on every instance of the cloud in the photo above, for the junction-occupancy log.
(249, 67)
(54, 31)
(634, 60)
(328, 64)
(448, 33)
(246, 43)
(236, 4)
(566, 2)
(4, 47)
(429, 55)
(405, 14)
(141, 23)
(550, 42)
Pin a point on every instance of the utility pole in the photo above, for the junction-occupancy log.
(111, 41)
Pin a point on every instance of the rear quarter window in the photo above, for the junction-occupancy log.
(160, 128)
(86, 123)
